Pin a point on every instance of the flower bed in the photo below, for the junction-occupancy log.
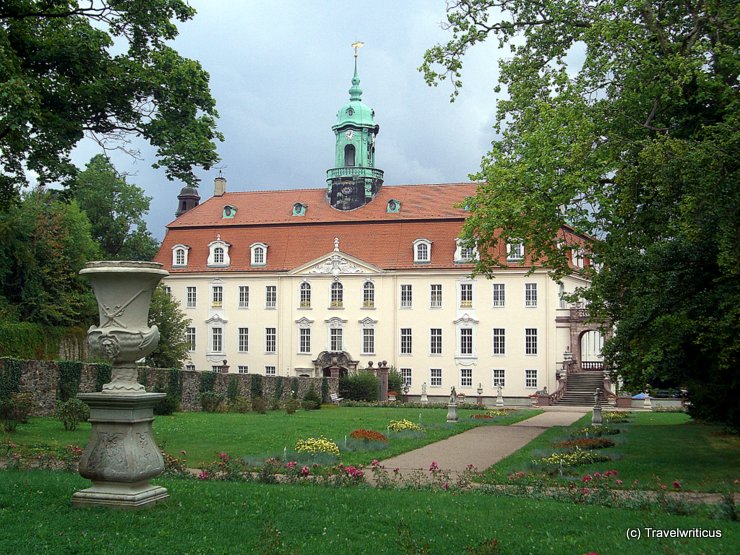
(403, 426)
(317, 445)
(594, 431)
(616, 417)
(585, 443)
(368, 435)
(577, 457)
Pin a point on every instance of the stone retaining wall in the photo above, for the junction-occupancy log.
(41, 378)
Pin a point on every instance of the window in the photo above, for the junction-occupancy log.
(466, 295)
(405, 341)
(270, 340)
(463, 252)
(368, 295)
(218, 255)
(466, 377)
(217, 368)
(305, 295)
(406, 296)
(499, 341)
(337, 295)
(168, 290)
(349, 155)
(530, 341)
(578, 258)
(271, 296)
(435, 377)
(466, 341)
(243, 296)
(243, 369)
(335, 339)
(422, 251)
(217, 296)
(217, 340)
(259, 254)
(530, 379)
(435, 341)
(499, 295)
(406, 375)
(243, 340)
(514, 251)
(190, 367)
(435, 295)
(191, 297)
(368, 341)
(530, 295)
(180, 255)
(190, 338)
(304, 343)
(270, 371)
(499, 378)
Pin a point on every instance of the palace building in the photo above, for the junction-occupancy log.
(325, 281)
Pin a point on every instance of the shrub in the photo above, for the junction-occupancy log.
(15, 410)
(166, 406)
(403, 425)
(616, 417)
(211, 401)
(594, 431)
(256, 387)
(362, 386)
(294, 385)
(240, 404)
(317, 445)
(395, 381)
(325, 390)
(71, 412)
(291, 405)
(576, 457)
(585, 443)
(368, 435)
(232, 390)
(259, 404)
(311, 400)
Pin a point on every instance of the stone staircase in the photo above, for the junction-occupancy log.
(580, 388)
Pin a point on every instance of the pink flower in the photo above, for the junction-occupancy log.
(614, 472)
(223, 456)
(433, 467)
(597, 474)
(608, 473)
(585, 491)
(375, 462)
(619, 482)
(305, 471)
(203, 475)
(676, 484)
(446, 486)
(586, 479)
(291, 464)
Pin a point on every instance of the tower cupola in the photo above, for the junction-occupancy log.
(354, 180)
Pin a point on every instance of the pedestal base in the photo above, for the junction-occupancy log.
(121, 455)
(119, 496)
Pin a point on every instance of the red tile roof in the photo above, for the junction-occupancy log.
(368, 233)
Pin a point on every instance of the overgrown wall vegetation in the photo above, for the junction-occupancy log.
(49, 381)
(33, 341)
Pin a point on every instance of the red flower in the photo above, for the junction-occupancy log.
(433, 467)
(676, 484)
(586, 479)
(619, 482)
(203, 475)
(305, 471)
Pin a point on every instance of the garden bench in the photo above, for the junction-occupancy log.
(335, 398)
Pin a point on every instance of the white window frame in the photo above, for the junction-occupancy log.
(498, 377)
(217, 339)
(435, 377)
(498, 345)
(217, 296)
(191, 296)
(406, 344)
(244, 296)
(190, 338)
(258, 254)
(334, 324)
(530, 378)
(435, 295)
(530, 295)
(422, 251)
(530, 341)
(466, 377)
(407, 295)
(336, 295)
(466, 341)
(243, 340)
(466, 294)
(463, 254)
(177, 250)
(368, 294)
(220, 249)
(336, 340)
(243, 369)
(190, 367)
(435, 342)
(498, 293)
(406, 374)
(466, 322)
(270, 341)
(368, 341)
(304, 295)
(304, 341)
(270, 371)
(514, 250)
(271, 297)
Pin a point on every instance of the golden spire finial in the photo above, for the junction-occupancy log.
(357, 45)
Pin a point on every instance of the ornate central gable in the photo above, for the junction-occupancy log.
(336, 263)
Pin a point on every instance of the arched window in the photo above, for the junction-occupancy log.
(180, 257)
(422, 251)
(349, 155)
(305, 295)
(259, 254)
(218, 255)
(337, 295)
(368, 295)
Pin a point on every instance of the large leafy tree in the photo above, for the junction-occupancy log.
(116, 211)
(103, 69)
(43, 245)
(636, 145)
(166, 314)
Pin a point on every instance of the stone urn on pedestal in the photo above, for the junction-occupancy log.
(121, 456)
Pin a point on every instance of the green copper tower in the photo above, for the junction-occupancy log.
(354, 180)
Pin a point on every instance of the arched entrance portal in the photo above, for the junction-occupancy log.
(334, 365)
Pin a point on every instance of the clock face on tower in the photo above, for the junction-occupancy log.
(349, 134)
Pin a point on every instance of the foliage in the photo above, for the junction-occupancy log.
(594, 431)
(256, 386)
(116, 212)
(207, 379)
(15, 410)
(585, 443)
(166, 314)
(10, 377)
(395, 381)
(362, 386)
(211, 401)
(70, 374)
(259, 404)
(103, 372)
(325, 390)
(291, 406)
(576, 457)
(232, 389)
(240, 404)
(311, 400)
(317, 445)
(105, 71)
(368, 435)
(44, 243)
(636, 149)
(71, 412)
(294, 385)
(403, 425)
(30, 341)
(616, 417)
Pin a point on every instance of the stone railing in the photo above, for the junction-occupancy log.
(355, 171)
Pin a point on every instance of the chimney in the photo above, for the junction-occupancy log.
(219, 186)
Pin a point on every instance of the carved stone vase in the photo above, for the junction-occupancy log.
(121, 455)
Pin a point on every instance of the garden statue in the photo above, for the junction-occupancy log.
(452, 407)
(499, 397)
(424, 399)
(121, 455)
(596, 414)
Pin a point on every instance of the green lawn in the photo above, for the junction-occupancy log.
(654, 448)
(203, 435)
(229, 517)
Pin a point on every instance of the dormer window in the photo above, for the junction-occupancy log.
(180, 256)
(229, 212)
(259, 254)
(578, 258)
(393, 206)
(514, 250)
(422, 251)
(299, 209)
(464, 252)
(218, 255)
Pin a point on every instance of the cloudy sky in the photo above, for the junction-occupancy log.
(281, 69)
